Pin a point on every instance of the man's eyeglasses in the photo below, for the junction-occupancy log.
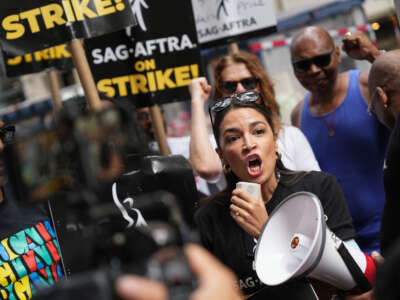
(7, 134)
(230, 87)
(220, 105)
(322, 60)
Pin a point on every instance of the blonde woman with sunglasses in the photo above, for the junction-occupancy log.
(236, 73)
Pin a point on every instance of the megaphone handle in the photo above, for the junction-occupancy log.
(355, 271)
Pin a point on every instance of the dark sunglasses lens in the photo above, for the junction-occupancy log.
(322, 60)
(302, 66)
(249, 83)
(229, 86)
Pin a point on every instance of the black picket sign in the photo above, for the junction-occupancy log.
(57, 57)
(30, 25)
(152, 63)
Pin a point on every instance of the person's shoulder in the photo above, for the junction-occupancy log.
(213, 204)
(290, 131)
(318, 178)
(295, 115)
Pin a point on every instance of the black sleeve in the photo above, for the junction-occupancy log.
(335, 207)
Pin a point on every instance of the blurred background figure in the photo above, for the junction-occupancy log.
(24, 232)
(177, 146)
(384, 88)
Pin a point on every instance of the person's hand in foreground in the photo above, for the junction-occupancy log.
(215, 281)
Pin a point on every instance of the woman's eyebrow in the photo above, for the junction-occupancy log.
(231, 130)
(255, 123)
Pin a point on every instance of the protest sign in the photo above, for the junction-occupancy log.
(152, 63)
(58, 57)
(223, 21)
(30, 25)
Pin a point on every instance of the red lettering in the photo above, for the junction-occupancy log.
(53, 250)
(43, 232)
(30, 261)
(54, 271)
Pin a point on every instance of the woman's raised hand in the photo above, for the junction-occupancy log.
(199, 89)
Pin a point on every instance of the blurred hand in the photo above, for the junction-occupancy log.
(199, 89)
(378, 259)
(131, 287)
(215, 280)
(249, 213)
(357, 45)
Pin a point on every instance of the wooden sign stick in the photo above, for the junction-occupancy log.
(85, 75)
(55, 90)
(159, 129)
(233, 48)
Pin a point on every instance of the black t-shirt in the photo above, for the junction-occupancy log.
(234, 247)
(390, 226)
(15, 217)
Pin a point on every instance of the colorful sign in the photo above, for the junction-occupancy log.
(152, 63)
(29, 261)
(30, 25)
(222, 21)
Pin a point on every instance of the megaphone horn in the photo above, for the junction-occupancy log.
(294, 245)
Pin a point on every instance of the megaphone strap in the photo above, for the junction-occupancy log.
(355, 271)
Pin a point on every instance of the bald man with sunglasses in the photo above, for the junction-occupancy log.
(346, 140)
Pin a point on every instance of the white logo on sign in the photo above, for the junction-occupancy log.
(136, 6)
(140, 221)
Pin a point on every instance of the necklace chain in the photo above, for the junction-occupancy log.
(329, 124)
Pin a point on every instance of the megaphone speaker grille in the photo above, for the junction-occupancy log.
(291, 242)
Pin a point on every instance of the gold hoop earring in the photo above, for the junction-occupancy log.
(226, 168)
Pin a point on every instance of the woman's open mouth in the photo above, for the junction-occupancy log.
(254, 165)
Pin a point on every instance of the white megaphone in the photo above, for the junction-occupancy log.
(296, 242)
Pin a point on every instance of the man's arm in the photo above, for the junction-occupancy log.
(357, 45)
(295, 116)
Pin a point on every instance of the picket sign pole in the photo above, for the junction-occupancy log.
(233, 48)
(55, 90)
(75, 76)
(85, 75)
(159, 129)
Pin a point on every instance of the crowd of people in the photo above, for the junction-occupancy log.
(342, 147)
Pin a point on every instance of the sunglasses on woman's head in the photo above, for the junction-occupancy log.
(304, 65)
(230, 87)
(245, 97)
(220, 105)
